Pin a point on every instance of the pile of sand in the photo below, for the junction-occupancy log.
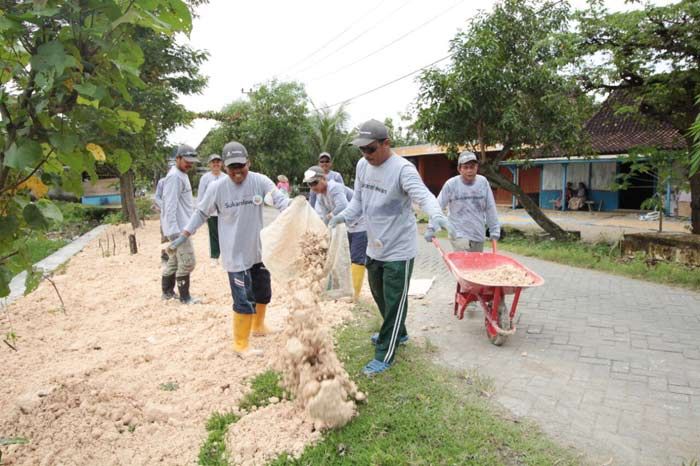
(503, 275)
(125, 378)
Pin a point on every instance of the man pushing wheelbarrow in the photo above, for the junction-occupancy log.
(484, 278)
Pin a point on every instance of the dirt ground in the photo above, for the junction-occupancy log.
(124, 378)
(594, 226)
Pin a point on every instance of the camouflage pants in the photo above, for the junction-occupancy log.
(181, 262)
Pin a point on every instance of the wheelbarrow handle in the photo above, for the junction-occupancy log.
(437, 245)
(493, 246)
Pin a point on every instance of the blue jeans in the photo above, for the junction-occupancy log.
(250, 287)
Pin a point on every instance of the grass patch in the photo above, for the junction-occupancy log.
(420, 413)
(213, 451)
(603, 257)
(264, 386)
(41, 247)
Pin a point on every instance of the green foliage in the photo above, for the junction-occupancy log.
(330, 134)
(213, 451)
(263, 387)
(421, 413)
(664, 167)
(69, 72)
(506, 83)
(652, 53)
(273, 124)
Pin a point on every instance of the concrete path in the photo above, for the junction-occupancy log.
(608, 364)
(50, 263)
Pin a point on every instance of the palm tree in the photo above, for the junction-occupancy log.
(329, 134)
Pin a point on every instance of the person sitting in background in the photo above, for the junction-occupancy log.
(579, 200)
(283, 183)
(569, 195)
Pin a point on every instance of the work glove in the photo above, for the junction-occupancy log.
(177, 242)
(429, 235)
(440, 222)
(335, 221)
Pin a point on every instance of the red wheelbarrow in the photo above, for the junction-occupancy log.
(491, 296)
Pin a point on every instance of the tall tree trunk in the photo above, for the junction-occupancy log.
(530, 206)
(126, 187)
(695, 203)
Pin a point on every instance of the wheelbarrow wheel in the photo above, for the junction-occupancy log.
(503, 322)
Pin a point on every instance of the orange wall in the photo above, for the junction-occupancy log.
(436, 170)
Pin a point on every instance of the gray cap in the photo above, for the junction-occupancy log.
(214, 157)
(467, 156)
(234, 152)
(325, 154)
(314, 173)
(186, 152)
(370, 131)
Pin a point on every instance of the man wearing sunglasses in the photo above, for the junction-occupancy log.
(471, 206)
(325, 161)
(176, 208)
(238, 201)
(385, 187)
(332, 198)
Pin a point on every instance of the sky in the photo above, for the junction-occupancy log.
(337, 49)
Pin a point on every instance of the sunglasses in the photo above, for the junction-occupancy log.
(312, 183)
(371, 149)
(324, 161)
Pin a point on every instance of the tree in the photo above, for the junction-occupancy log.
(506, 86)
(272, 123)
(404, 134)
(654, 54)
(169, 69)
(664, 167)
(66, 68)
(329, 134)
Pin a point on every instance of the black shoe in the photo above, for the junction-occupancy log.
(183, 286)
(168, 287)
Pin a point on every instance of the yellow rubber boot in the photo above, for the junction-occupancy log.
(241, 335)
(259, 328)
(358, 275)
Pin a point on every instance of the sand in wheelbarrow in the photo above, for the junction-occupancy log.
(503, 275)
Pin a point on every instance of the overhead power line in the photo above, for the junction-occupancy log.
(389, 44)
(348, 100)
(332, 39)
(354, 38)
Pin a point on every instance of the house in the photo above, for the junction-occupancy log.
(611, 137)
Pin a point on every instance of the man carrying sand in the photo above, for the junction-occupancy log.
(385, 186)
(238, 201)
(176, 209)
(331, 199)
(471, 206)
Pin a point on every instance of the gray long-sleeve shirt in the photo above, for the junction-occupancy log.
(204, 182)
(240, 210)
(332, 175)
(470, 207)
(177, 203)
(158, 196)
(334, 201)
(383, 194)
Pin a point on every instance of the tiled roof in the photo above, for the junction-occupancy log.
(612, 133)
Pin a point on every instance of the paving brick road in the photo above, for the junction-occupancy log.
(607, 364)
